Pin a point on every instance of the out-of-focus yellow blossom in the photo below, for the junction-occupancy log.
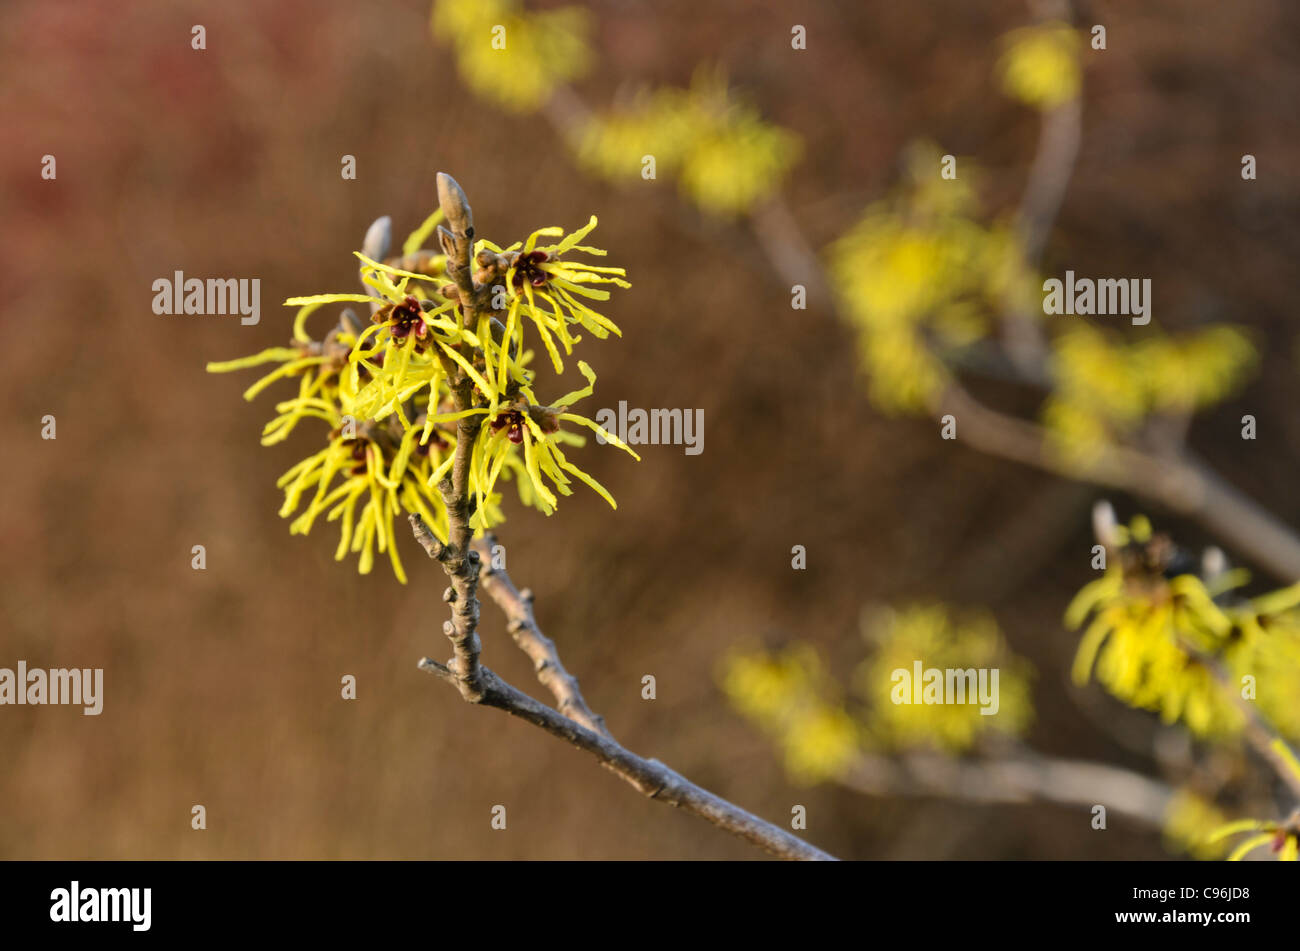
(1273, 659)
(917, 275)
(1040, 64)
(1134, 641)
(1107, 387)
(790, 697)
(920, 280)
(725, 156)
(386, 392)
(931, 635)
(1154, 627)
(1190, 821)
(653, 122)
(736, 158)
(1194, 370)
(511, 56)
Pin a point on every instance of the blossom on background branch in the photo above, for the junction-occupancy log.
(1163, 633)
(1137, 446)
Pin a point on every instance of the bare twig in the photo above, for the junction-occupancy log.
(587, 730)
(1059, 134)
(1266, 742)
(1023, 777)
(518, 608)
(649, 777)
(1181, 482)
(462, 629)
(1049, 175)
(778, 233)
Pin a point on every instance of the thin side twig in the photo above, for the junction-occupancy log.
(1022, 777)
(1049, 176)
(541, 650)
(1181, 482)
(648, 776)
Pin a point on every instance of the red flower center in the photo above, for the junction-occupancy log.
(406, 318)
(512, 419)
(528, 268)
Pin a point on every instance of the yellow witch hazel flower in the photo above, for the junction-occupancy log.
(547, 289)
(512, 56)
(1157, 629)
(726, 157)
(1148, 614)
(389, 393)
(537, 428)
(1040, 64)
(790, 696)
(1107, 387)
(924, 650)
(383, 479)
(918, 274)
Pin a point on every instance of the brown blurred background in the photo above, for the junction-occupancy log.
(222, 686)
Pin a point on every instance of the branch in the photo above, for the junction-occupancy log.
(1263, 738)
(1049, 176)
(1173, 478)
(518, 608)
(456, 557)
(1024, 777)
(650, 777)
(462, 629)
(1180, 482)
(587, 731)
(788, 251)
